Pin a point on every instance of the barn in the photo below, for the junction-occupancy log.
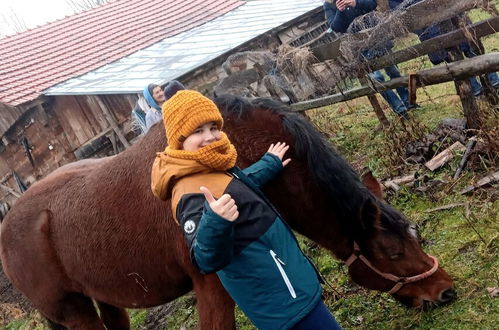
(67, 88)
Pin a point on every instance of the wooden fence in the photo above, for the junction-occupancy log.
(428, 12)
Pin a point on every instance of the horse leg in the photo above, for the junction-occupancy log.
(74, 311)
(114, 318)
(215, 306)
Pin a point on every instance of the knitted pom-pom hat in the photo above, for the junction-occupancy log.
(186, 111)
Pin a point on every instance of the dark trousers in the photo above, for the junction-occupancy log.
(319, 318)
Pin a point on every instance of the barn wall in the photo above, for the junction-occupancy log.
(55, 131)
(66, 125)
(8, 116)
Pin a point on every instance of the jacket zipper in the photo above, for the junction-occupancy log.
(257, 190)
(278, 262)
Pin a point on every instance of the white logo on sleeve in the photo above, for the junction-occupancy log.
(189, 226)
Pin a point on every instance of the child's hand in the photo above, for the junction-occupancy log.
(225, 206)
(279, 149)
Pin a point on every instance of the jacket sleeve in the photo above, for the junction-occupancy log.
(366, 5)
(338, 21)
(264, 170)
(210, 238)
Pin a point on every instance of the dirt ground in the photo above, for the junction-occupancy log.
(12, 303)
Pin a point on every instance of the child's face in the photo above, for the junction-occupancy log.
(202, 136)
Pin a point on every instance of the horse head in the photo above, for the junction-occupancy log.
(322, 197)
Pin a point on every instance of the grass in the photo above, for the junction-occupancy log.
(467, 245)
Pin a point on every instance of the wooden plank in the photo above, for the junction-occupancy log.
(427, 12)
(444, 156)
(113, 123)
(10, 190)
(72, 119)
(457, 70)
(121, 105)
(447, 40)
(489, 179)
(92, 112)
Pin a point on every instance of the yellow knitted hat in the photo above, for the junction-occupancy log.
(186, 111)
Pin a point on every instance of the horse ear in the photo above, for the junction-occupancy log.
(372, 184)
(370, 218)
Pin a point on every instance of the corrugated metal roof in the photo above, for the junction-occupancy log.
(179, 54)
(39, 58)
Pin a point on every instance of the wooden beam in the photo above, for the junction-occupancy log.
(447, 40)
(110, 118)
(442, 73)
(10, 190)
(376, 106)
(427, 12)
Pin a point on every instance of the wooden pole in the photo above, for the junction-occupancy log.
(110, 118)
(376, 106)
(468, 101)
(436, 75)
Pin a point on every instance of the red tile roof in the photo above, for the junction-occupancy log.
(37, 59)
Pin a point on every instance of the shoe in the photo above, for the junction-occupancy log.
(413, 106)
(404, 115)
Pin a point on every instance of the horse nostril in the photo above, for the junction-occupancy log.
(447, 295)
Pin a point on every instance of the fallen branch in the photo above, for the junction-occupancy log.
(395, 183)
(469, 147)
(445, 207)
(489, 179)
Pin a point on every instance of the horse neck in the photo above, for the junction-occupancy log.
(315, 218)
(141, 155)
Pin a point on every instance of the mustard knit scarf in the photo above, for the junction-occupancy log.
(219, 155)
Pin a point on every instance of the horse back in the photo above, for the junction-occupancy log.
(83, 218)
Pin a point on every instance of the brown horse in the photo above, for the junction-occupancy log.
(93, 229)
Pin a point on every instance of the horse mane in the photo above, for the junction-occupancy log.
(329, 170)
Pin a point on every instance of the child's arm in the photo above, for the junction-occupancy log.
(269, 165)
(212, 246)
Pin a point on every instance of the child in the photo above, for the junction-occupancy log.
(240, 235)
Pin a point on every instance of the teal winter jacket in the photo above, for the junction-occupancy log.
(257, 257)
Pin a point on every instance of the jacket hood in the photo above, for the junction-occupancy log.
(167, 171)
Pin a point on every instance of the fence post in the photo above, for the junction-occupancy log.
(468, 101)
(375, 104)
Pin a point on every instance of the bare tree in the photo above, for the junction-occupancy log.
(81, 5)
(13, 21)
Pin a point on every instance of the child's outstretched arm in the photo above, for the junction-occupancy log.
(269, 165)
(213, 246)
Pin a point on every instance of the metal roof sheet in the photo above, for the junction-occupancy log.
(177, 55)
(47, 55)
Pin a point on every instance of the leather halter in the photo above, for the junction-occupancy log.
(399, 281)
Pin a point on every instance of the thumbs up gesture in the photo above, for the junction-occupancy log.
(225, 206)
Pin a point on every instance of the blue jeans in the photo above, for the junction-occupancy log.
(319, 318)
(400, 102)
(476, 88)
